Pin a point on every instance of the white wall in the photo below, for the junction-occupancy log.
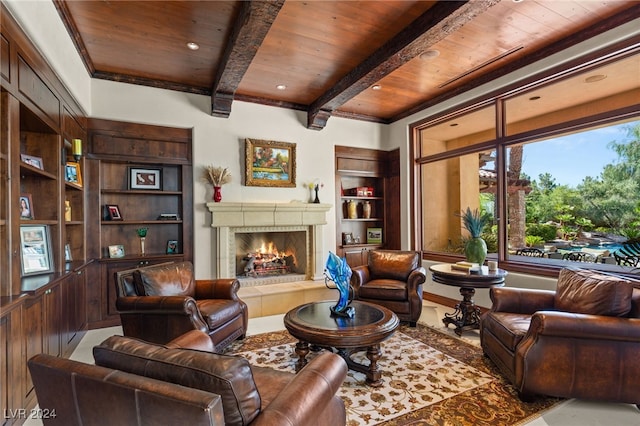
(220, 142)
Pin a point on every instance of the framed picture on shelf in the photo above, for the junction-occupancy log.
(116, 251)
(270, 163)
(172, 246)
(143, 178)
(35, 247)
(32, 161)
(67, 253)
(113, 212)
(72, 173)
(374, 235)
(26, 206)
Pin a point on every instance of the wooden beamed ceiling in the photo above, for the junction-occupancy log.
(370, 60)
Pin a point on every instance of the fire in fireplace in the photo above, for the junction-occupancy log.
(266, 254)
(268, 260)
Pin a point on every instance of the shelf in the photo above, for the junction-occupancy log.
(73, 222)
(28, 170)
(34, 222)
(137, 257)
(72, 185)
(361, 219)
(138, 192)
(353, 197)
(140, 222)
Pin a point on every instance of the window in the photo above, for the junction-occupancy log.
(561, 164)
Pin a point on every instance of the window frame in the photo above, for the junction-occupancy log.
(502, 142)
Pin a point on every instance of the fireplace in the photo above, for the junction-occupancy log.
(295, 229)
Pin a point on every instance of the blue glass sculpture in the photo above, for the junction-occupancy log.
(338, 271)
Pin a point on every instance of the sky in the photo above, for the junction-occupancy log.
(575, 156)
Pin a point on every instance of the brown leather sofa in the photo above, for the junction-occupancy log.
(138, 383)
(393, 279)
(158, 303)
(580, 341)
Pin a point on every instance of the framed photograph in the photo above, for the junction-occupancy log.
(72, 173)
(67, 253)
(116, 251)
(140, 178)
(32, 161)
(35, 246)
(26, 206)
(374, 235)
(172, 246)
(270, 163)
(113, 212)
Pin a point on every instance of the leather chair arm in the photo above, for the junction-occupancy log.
(416, 277)
(184, 305)
(360, 276)
(222, 288)
(521, 301)
(194, 339)
(303, 400)
(583, 326)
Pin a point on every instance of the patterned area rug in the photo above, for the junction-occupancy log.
(430, 378)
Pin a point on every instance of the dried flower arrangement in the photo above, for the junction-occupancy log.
(216, 176)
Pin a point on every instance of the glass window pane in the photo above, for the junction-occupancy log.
(596, 91)
(448, 188)
(459, 132)
(575, 197)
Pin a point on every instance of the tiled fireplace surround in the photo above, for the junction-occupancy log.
(273, 298)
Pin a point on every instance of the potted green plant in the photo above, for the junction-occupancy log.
(475, 249)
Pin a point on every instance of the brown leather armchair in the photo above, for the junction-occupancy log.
(393, 279)
(138, 383)
(158, 303)
(580, 341)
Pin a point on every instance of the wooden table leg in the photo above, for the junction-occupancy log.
(302, 349)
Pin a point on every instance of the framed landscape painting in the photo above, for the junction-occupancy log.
(270, 163)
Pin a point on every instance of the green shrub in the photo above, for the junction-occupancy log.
(544, 231)
(532, 240)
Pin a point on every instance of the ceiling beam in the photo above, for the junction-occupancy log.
(441, 20)
(249, 30)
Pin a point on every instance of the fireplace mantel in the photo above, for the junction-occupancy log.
(228, 218)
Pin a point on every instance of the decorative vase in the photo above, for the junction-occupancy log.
(366, 209)
(338, 271)
(217, 194)
(142, 240)
(352, 210)
(475, 250)
(317, 200)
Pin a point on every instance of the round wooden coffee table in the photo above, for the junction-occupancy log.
(467, 314)
(312, 324)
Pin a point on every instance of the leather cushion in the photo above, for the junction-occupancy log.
(384, 290)
(227, 376)
(217, 312)
(590, 292)
(509, 328)
(392, 264)
(175, 279)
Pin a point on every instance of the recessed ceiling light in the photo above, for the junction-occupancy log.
(376, 87)
(281, 87)
(594, 78)
(193, 46)
(430, 54)
(534, 98)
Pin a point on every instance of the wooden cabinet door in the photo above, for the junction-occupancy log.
(32, 337)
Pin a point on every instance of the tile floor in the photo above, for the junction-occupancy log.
(570, 413)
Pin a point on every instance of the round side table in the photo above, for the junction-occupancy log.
(466, 315)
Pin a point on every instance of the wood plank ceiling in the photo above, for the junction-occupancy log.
(370, 60)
